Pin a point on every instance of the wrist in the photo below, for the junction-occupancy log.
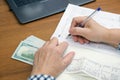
(38, 71)
(105, 36)
(108, 38)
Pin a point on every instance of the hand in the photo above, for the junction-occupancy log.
(49, 58)
(92, 31)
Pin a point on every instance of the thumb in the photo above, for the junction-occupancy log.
(68, 58)
(78, 31)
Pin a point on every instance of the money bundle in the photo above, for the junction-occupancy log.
(27, 48)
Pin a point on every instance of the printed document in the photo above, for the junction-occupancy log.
(96, 60)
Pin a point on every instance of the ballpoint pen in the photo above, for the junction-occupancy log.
(88, 18)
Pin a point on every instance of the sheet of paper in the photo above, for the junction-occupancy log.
(98, 65)
(110, 21)
(98, 60)
(74, 76)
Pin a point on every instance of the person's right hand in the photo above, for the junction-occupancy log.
(92, 31)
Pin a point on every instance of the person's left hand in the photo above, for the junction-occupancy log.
(49, 58)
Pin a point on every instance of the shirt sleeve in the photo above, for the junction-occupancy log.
(41, 77)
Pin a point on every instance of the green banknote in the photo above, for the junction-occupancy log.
(25, 53)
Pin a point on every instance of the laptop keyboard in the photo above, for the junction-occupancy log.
(25, 2)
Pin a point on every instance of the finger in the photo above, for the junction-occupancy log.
(81, 40)
(36, 56)
(46, 44)
(62, 47)
(86, 41)
(76, 21)
(79, 31)
(68, 58)
(75, 38)
(53, 41)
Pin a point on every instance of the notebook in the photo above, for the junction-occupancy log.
(30, 10)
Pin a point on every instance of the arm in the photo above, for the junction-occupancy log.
(114, 37)
(93, 31)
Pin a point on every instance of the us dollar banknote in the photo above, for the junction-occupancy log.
(27, 48)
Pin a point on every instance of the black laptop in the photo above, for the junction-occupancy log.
(30, 10)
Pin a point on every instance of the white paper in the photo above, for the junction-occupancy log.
(104, 58)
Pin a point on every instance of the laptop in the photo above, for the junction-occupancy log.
(30, 10)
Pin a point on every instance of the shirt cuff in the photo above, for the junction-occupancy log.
(119, 46)
(41, 77)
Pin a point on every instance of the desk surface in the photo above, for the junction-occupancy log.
(11, 33)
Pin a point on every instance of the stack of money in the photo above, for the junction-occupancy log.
(27, 48)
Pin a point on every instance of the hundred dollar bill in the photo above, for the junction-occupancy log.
(34, 41)
(25, 53)
(27, 48)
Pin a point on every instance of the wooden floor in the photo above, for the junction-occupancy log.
(11, 33)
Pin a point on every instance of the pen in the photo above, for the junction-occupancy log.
(88, 18)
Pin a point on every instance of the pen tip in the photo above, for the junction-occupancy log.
(98, 9)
